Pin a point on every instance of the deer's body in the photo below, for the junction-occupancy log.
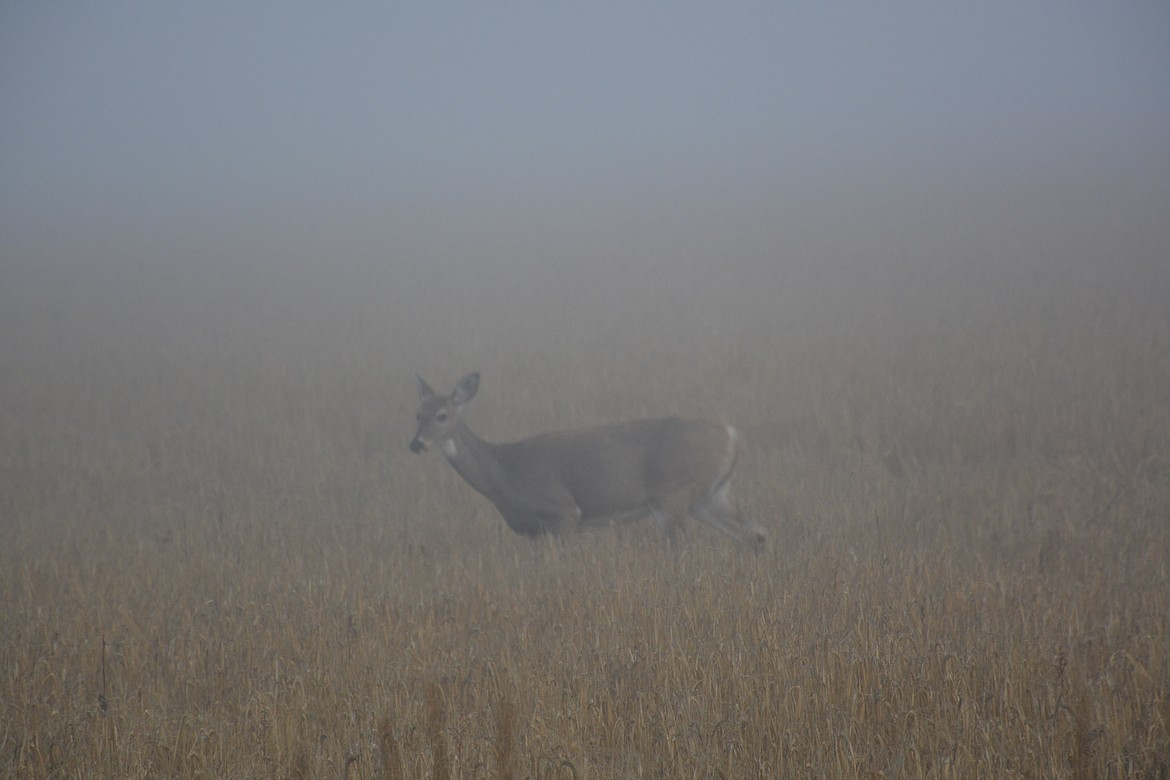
(562, 482)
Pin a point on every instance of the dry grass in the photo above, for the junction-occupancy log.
(221, 561)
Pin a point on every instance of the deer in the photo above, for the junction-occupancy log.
(554, 484)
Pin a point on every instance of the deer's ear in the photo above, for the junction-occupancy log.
(465, 390)
(424, 390)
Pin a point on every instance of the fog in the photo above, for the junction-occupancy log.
(917, 254)
(453, 181)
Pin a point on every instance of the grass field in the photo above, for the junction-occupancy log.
(220, 559)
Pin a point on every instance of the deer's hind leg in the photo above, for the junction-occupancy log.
(668, 513)
(716, 508)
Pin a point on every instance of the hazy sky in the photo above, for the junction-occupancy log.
(122, 117)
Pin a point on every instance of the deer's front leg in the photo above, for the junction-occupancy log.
(554, 521)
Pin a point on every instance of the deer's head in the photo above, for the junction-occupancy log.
(438, 414)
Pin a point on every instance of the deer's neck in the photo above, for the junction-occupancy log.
(475, 460)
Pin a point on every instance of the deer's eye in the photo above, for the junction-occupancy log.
(441, 417)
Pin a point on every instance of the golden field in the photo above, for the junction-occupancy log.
(220, 559)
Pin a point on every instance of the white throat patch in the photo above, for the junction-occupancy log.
(449, 448)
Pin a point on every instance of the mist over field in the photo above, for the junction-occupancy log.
(918, 257)
(452, 181)
(651, 279)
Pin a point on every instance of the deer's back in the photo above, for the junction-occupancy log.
(620, 466)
